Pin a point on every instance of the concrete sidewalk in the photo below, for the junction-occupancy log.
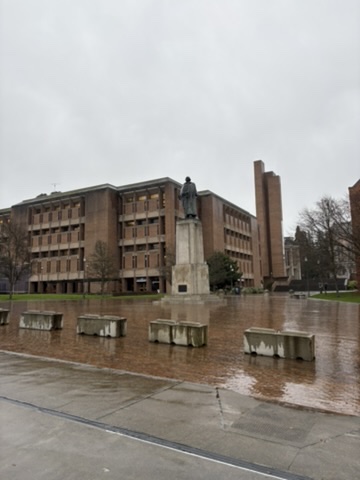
(62, 420)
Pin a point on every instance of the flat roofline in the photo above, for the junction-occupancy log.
(44, 198)
(148, 184)
(132, 186)
(55, 195)
(204, 193)
(5, 210)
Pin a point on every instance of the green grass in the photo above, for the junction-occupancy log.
(353, 297)
(24, 297)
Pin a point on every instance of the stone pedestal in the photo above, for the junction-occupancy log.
(38, 320)
(103, 326)
(190, 275)
(4, 316)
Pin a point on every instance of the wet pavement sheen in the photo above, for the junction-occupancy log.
(331, 382)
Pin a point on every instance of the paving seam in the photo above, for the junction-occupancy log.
(146, 397)
(150, 439)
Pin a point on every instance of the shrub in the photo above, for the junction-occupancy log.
(352, 285)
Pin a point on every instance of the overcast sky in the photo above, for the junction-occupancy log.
(123, 91)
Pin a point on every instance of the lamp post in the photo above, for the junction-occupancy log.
(307, 276)
(321, 286)
(232, 273)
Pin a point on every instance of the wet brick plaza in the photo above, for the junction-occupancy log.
(331, 382)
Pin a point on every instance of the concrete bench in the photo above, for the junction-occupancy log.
(4, 316)
(41, 320)
(287, 344)
(179, 333)
(102, 325)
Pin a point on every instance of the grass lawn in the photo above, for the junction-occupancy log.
(24, 297)
(353, 297)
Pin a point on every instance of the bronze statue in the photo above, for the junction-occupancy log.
(188, 196)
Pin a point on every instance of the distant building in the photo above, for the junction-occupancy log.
(292, 259)
(137, 222)
(354, 196)
(269, 217)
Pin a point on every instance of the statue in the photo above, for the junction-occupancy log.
(188, 196)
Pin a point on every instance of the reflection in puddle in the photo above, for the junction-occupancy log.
(331, 382)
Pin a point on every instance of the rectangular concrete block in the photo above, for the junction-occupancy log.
(299, 345)
(161, 330)
(262, 341)
(102, 325)
(4, 316)
(179, 333)
(41, 320)
(286, 344)
(190, 334)
(300, 296)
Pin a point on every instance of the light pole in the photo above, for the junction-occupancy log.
(307, 276)
(321, 286)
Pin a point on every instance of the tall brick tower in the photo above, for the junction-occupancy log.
(269, 217)
(354, 196)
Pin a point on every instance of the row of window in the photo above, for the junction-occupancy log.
(59, 238)
(65, 228)
(141, 197)
(243, 261)
(142, 221)
(142, 247)
(73, 264)
(55, 207)
(71, 252)
(55, 216)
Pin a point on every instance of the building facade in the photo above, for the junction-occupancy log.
(138, 224)
(354, 197)
(269, 217)
(292, 259)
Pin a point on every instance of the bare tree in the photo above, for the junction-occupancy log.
(14, 253)
(101, 265)
(329, 236)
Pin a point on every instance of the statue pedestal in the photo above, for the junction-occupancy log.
(190, 275)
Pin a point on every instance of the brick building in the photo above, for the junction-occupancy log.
(269, 217)
(354, 197)
(137, 222)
